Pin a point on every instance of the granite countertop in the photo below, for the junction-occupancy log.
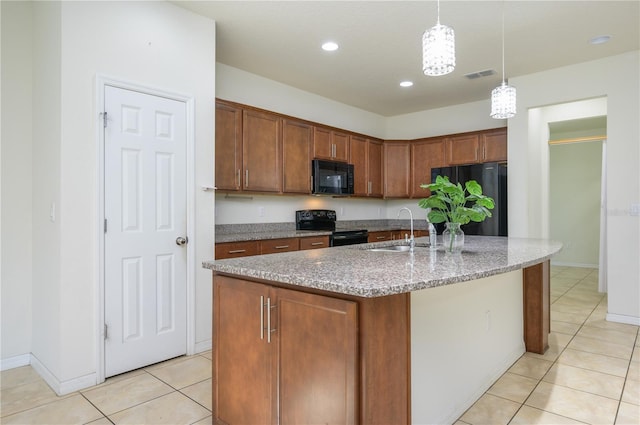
(255, 232)
(277, 234)
(354, 270)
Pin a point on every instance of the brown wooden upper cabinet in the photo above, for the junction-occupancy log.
(366, 157)
(228, 146)
(297, 139)
(261, 151)
(425, 155)
(471, 148)
(494, 145)
(330, 144)
(397, 169)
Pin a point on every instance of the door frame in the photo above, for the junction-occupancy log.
(101, 82)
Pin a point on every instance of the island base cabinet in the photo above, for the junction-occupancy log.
(283, 356)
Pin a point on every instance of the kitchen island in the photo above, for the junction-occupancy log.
(351, 335)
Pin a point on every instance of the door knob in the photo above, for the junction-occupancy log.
(181, 241)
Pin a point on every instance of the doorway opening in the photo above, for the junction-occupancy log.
(575, 189)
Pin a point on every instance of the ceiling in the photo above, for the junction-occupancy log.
(380, 44)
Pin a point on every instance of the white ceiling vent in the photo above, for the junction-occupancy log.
(485, 73)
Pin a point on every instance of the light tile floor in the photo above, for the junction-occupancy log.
(590, 374)
(177, 391)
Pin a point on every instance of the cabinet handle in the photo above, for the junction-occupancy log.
(239, 184)
(369, 189)
(269, 320)
(317, 243)
(261, 317)
(246, 178)
(282, 247)
(381, 237)
(333, 150)
(237, 251)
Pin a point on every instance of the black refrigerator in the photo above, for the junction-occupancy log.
(492, 176)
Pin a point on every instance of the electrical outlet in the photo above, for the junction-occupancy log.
(260, 211)
(342, 211)
(634, 210)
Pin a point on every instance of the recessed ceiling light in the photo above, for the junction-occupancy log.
(601, 39)
(406, 83)
(330, 46)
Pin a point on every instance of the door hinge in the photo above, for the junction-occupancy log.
(105, 225)
(105, 331)
(104, 119)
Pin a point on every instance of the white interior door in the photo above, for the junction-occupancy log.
(145, 212)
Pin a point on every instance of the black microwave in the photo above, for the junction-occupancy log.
(331, 177)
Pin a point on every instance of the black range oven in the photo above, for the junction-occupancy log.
(326, 220)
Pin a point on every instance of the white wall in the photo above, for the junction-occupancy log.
(46, 287)
(16, 151)
(155, 44)
(615, 78)
(574, 210)
(240, 86)
(472, 116)
(453, 365)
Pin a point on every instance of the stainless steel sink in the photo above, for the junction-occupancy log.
(396, 248)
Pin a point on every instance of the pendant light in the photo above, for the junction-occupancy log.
(438, 49)
(503, 97)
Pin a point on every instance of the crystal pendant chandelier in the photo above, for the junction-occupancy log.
(438, 49)
(503, 97)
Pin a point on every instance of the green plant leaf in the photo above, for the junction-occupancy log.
(473, 188)
(486, 202)
(436, 216)
(432, 202)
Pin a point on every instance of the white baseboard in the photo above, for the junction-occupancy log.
(15, 361)
(620, 318)
(570, 264)
(63, 387)
(203, 346)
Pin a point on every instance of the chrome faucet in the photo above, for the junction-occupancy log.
(410, 240)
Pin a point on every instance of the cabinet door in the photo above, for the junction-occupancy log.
(322, 145)
(329, 144)
(358, 157)
(236, 249)
(425, 156)
(380, 236)
(261, 152)
(375, 168)
(314, 242)
(316, 339)
(296, 157)
(396, 170)
(273, 246)
(463, 149)
(228, 147)
(341, 146)
(242, 382)
(494, 145)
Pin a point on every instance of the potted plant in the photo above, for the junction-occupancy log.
(454, 205)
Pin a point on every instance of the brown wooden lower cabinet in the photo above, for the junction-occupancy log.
(380, 236)
(236, 249)
(285, 356)
(314, 242)
(272, 246)
(268, 246)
